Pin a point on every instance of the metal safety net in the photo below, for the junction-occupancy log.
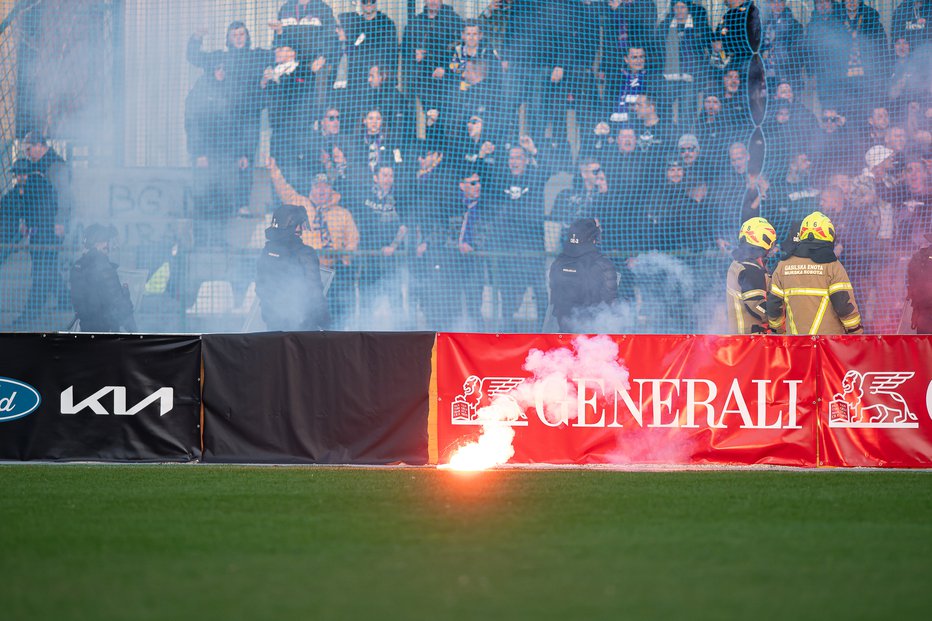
(443, 156)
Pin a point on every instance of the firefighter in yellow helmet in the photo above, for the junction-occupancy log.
(810, 292)
(748, 281)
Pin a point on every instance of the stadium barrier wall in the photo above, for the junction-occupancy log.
(317, 397)
(100, 397)
(384, 398)
(699, 400)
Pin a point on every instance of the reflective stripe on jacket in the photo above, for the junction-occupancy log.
(807, 297)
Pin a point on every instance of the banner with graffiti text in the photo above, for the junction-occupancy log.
(876, 401)
(645, 399)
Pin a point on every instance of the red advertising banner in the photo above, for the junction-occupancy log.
(876, 401)
(644, 399)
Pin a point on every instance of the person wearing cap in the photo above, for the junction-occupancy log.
(810, 292)
(101, 303)
(331, 228)
(288, 282)
(582, 281)
(747, 282)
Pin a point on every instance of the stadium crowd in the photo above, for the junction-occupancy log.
(430, 153)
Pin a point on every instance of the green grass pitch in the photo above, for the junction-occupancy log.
(191, 542)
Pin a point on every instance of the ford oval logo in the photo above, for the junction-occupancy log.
(17, 399)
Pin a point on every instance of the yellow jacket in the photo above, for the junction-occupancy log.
(331, 226)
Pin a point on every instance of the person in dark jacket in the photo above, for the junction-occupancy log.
(581, 279)
(243, 65)
(288, 280)
(369, 39)
(101, 303)
(210, 129)
(919, 286)
(426, 50)
(310, 27)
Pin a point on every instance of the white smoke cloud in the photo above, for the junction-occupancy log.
(553, 386)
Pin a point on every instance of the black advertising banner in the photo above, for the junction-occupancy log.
(99, 397)
(317, 397)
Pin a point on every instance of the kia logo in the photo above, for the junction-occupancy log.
(17, 399)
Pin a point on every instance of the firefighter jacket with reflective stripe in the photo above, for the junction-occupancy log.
(747, 285)
(807, 297)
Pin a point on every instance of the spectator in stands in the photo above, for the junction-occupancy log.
(243, 67)
(101, 303)
(517, 237)
(713, 132)
(12, 206)
(381, 215)
(919, 286)
(429, 189)
(655, 135)
(796, 303)
(913, 201)
(832, 145)
(695, 165)
(369, 39)
(39, 213)
(459, 282)
(683, 38)
(426, 49)
(735, 108)
(210, 125)
(332, 230)
(716, 61)
(626, 172)
(46, 161)
(397, 108)
(472, 48)
(871, 246)
(747, 281)
(827, 42)
(476, 148)
(792, 126)
(627, 23)
(476, 94)
(865, 51)
(783, 45)
(622, 93)
(374, 148)
(495, 22)
(792, 196)
(552, 45)
(874, 130)
(582, 281)
(308, 26)
(731, 186)
(912, 22)
(588, 198)
(288, 94)
(288, 280)
(739, 22)
(332, 149)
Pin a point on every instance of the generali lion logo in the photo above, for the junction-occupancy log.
(868, 400)
(478, 393)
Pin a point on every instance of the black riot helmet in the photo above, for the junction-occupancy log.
(290, 217)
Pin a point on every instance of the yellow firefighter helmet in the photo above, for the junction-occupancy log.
(758, 232)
